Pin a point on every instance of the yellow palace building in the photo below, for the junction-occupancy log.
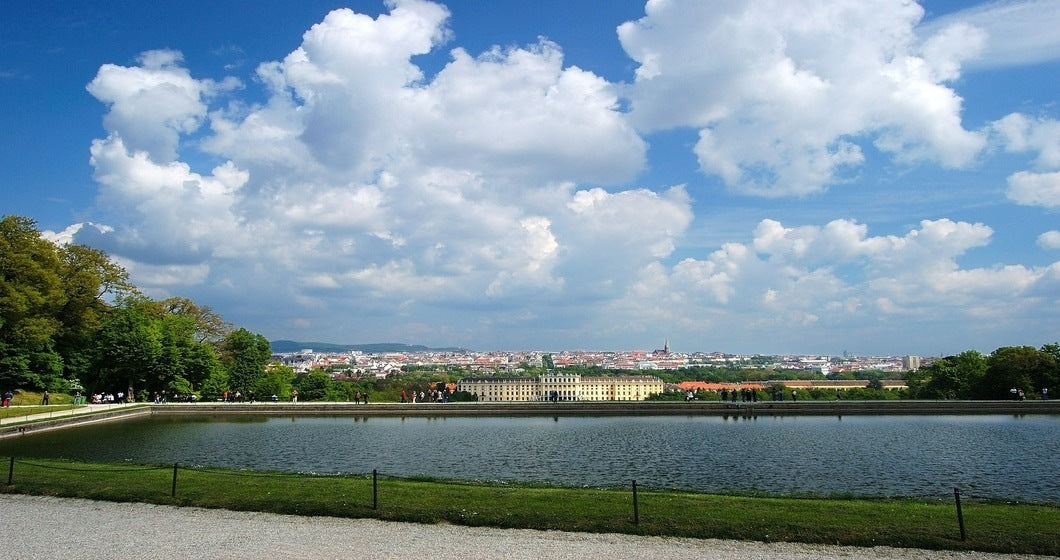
(553, 387)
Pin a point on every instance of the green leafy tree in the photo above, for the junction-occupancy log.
(313, 386)
(175, 346)
(185, 357)
(128, 351)
(209, 326)
(1023, 368)
(215, 385)
(201, 364)
(278, 380)
(952, 377)
(31, 297)
(89, 279)
(1051, 379)
(463, 396)
(245, 355)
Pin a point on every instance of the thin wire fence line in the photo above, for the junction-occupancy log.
(117, 469)
(514, 485)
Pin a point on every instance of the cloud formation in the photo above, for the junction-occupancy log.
(1016, 32)
(784, 93)
(1019, 133)
(495, 203)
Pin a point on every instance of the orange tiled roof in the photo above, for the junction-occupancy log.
(705, 386)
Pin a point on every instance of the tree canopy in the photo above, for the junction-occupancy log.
(970, 375)
(69, 316)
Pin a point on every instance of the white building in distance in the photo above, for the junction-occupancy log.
(556, 387)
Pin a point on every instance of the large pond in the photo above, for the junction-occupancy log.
(986, 456)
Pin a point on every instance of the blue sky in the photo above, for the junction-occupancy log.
(874, 177)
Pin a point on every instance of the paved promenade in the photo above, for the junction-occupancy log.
(44, 527)
(60, 413)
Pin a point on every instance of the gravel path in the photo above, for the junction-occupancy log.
(42, 527)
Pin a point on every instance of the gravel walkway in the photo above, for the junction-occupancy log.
(43, 527)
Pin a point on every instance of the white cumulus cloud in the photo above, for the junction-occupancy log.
(152, 104)
(803, 284)
(1035, 189)
(352, 196)
(1017, 32)
(1049, 239)
(784, 93)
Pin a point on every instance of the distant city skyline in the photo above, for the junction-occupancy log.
(321, 347)
(777, 177)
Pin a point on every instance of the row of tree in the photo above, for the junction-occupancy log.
(70, 320)
(1008, 372)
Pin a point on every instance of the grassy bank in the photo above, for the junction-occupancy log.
(995, 527)
(15, 412)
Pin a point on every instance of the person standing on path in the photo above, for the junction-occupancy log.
(44, 399)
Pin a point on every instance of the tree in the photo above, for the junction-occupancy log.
(277, 381)
(128, 351)
(313, 386)
(1052, 378)
(209, 326)
(31, 295)
(244, 355)
(215, 384)
(1023, 368)
(952, 377)
(88, 278)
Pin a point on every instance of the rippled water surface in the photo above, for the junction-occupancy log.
(989, 456)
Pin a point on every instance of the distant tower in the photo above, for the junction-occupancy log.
(666, 346)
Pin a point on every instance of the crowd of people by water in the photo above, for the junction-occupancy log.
(746, 395)
(434, 395)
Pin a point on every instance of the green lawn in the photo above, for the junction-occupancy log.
(16, 411)
(994, 527)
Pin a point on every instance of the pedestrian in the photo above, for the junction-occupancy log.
(7, 399)
(44, 399)
(794, 396)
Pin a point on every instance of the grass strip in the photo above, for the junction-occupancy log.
(15, 412)
(990, 526)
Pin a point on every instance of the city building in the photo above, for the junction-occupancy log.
(556, 387)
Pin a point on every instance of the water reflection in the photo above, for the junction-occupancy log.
(988, 456)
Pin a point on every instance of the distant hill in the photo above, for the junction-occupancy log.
(287, 346)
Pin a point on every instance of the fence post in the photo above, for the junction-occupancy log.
(11, 471)
(636, 508)
(960, 514)
(375, 489)
(173, 492)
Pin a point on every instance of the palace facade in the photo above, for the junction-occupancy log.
(554, 387)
